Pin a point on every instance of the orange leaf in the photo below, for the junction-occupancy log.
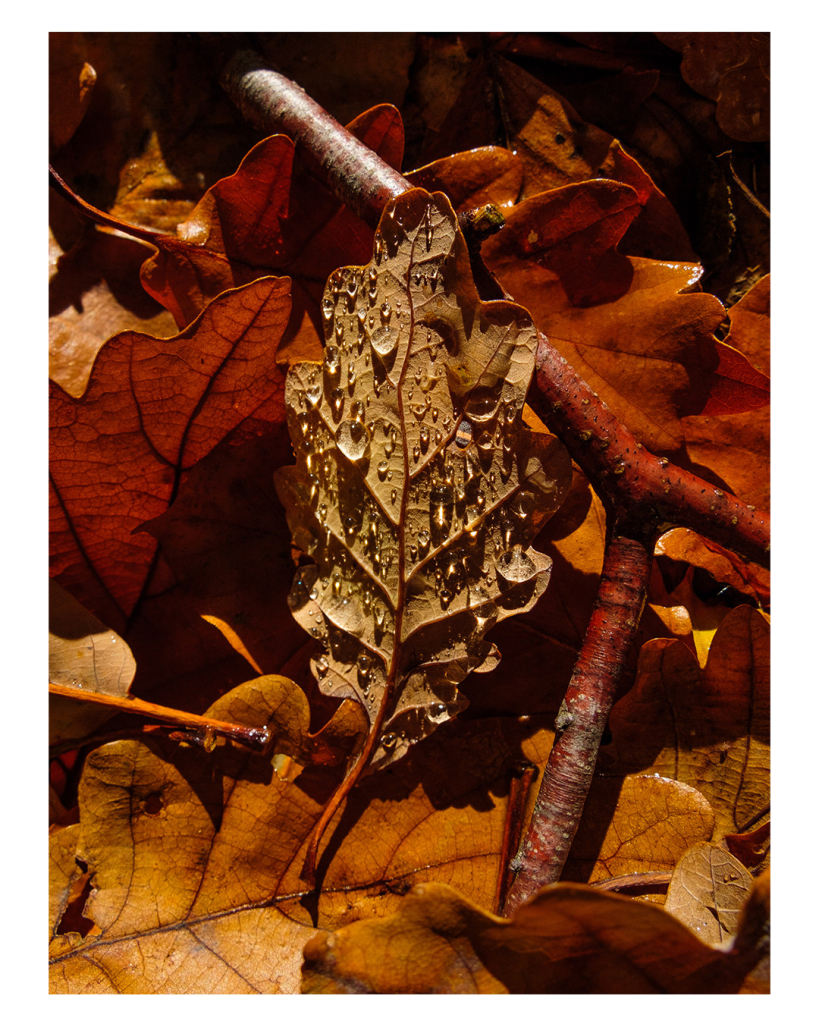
(151, 410)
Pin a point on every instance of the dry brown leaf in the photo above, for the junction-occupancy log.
(655, 820)
(417, 489)
(84, 654)
(707, 728)
(568, 939)
(708, 890)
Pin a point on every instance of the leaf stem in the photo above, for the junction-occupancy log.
(582, 719)
(308, 872)
(98, 216)
(256, 739)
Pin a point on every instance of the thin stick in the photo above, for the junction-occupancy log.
(256, 739)
(98, 216)
(582, 719)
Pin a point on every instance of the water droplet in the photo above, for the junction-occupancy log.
(353, 439)
(386, 313)
(424, 437)
(364, 664)
(413, 552)
(416, 452)
(382, 469)
(394, 496)
(322, 667)
(389, 740)
(482, 405)
(441, 500)
(350, 374)
(322, 512)
(423, 542)
(337, 402)
(436, 712)
(516, 566)
(485, 441)
(336, 584)
(352, 286)
(349, 526)
(384, 340)
(357, 411)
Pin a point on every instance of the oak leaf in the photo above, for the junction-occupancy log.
(152, 409)
(568, 939)
(193, 859)
(630, 326)
(416, 490)
(705, 727)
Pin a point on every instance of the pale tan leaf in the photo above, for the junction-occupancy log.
(708, 890)
(417, 488)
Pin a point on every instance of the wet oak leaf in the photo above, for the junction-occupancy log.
(708, 728)
(152, 409)
(642, 336)
(417, 489)
(82, 653)
(568, 939)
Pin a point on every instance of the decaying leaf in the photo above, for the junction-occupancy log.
(417, 489)
(568, 939)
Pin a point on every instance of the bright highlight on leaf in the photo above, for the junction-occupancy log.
(417, 489)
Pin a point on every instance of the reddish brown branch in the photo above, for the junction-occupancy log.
(273, 103)
(582, 719)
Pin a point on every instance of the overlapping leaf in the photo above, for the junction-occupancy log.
(152, 409)
(708, 728)
(417, 489)
(568, 939)
(636, 330)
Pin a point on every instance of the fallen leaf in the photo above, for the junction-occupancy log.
(557, 148)
(630, 327)
(708, 890)
(685, 545)
(751, 325)
(568, 939)
(416, 490)
(487, 174)
(707, 728)
(753, 849)
(737, 386)
(654, 821)
(734, 69)
(263, 220)
(733, 449)
(194, 858)
(152, 409)
(94, 292)
(84, 654)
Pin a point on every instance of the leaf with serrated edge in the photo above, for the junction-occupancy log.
(417, 489)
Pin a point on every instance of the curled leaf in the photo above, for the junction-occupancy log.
(568, 939)
(417, 489)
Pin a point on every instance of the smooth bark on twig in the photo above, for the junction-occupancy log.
(268, 100)
(582, 719)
